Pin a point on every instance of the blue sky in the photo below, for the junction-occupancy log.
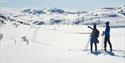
(64, 4)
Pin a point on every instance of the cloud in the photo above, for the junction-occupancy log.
(5, 1)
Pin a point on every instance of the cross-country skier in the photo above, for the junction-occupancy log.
(107, 37)
(94, 38)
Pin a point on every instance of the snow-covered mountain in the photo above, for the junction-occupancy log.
(52, 16)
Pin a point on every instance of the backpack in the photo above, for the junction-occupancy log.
(97, 33)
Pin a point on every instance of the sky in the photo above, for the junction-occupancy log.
(63, 4)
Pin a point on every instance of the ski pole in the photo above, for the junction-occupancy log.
(102, 44)
(87, 44)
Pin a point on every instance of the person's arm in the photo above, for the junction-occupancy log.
(107, 30)
(103, 32)
(90, 27)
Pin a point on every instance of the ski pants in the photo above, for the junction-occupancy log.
(107, 40)
(91, 46)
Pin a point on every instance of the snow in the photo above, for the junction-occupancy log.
(56, 44)
(61, 42)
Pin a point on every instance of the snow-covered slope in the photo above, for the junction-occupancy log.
(36, 36)
(52, 16)
(57, 44)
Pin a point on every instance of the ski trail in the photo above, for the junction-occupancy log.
(115, 53)
(40, 43)
(34, 38)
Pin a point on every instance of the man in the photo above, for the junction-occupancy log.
(94, 38)
(107, 37)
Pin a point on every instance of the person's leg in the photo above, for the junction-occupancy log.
(95, 47)
(110, 45)
(91, 47)
(105, 43)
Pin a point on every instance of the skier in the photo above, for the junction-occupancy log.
(25, 39)
(107, 37)
(1, 36)
(94, 38)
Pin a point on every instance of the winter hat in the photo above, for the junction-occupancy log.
(107, 22)
(94, 25)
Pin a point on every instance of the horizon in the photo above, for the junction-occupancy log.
(77, 5)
